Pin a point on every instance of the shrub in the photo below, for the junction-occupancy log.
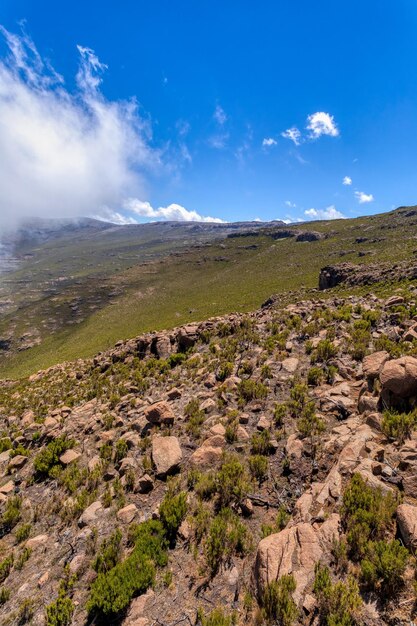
(251, 390)
(6, 567)
(398, 425)
(172, 511)
(216, 618)
(59, 612)
(200, 521)
(366, 513)
(278, 604)
(195, 417)
(231, 482)
(121, 450)
(310, 424)
(360, 339)
(339, 603)
(22, 532)
(22, 558)
(224, 370)
(315, 376)
(325, 351)
(258, 466)
(261, 443)
(227, 536)
(280, 411)
(47, 460)
(4, 595)
(109, 553)
(384, 565)
(112, 592)
(5, 444)
(281, 521)
(11, 514)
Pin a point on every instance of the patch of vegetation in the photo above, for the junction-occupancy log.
(278, 605)
(109, 553)
(60, 611)
(47, 462)
(339, 603)
(227, 536)
(384, 565)
(398, 426)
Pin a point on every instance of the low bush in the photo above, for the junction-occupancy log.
(216, 618)
(227, 536)
(172, 511)
(47, 462)
(366, 513)
(339, 603)
(251, 390)
(109, 553)
(384, 565)
(398, 426)
(11, 514)
(232, 483)
(278, 605)
(261, 443)
(258, 467)
(6, 567)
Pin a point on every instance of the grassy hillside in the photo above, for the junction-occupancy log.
(83, 294)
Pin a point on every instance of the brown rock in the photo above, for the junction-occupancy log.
(90, 514)
(17, 462)
(160, 413)
(35, 542)
(127, 514)
(206, 457)
(145, 484)
(407, 525)
(70, 456)
(166, 455)
(373, 363)
(400, 376)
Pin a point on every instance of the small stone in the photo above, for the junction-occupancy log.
(145, 484)
(7, 488)
(127, 514)
(17, 462)
(90, 514)
(43, 579)
(69, 457)
(264, 423)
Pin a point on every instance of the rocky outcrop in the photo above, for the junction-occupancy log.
(166, 455)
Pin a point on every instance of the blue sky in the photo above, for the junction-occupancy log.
(212, 82)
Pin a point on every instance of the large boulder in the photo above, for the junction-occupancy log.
(159, 413)
(373, 363)
(407, 524)
(294, 550)
(399, 376)
(206, 457)
(166, 455)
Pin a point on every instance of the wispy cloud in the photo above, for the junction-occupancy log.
(293, 134)
(363, 198)
(321, 123)
(172, 212)
(347, 181)
(290, 204)
(77, 152)
(330, 213)
(267, 142)
(219, 115)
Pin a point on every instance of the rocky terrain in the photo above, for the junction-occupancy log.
(251, 469)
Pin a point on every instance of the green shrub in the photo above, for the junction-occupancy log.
(261, 443)
(47, 460)
(109, 553)
(315, 376)
(384, 565)
(231, 482)
(4, 595)
(398, 426)
(195, 417)
(176, 359)
(216, 618)
(22, 557)
(227, 536)
(339, 603)
(251, 390)
(112, 592)
(325, 351)
(258, 466)
(121, 450)
(22, 532)
(310, 424)
(11, 514)
(5, 444)
(6, 567)
(360, 339)
(277, 601)
(60, 611)
(281, 521)
(172, 511)
(366, 513)
(224, 370)
(280, 412)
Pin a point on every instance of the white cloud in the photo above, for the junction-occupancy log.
(219, 115)
(330, 213)
(293, 134)
(290, 204)
(219, 141)
(269, 141)
(65, 153)
(347, 180)
(363, 198)
(321, 123)
(173, 212)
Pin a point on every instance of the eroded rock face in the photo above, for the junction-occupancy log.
(166, 455)
(399, 376)
(294, 550)
(373, 363)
